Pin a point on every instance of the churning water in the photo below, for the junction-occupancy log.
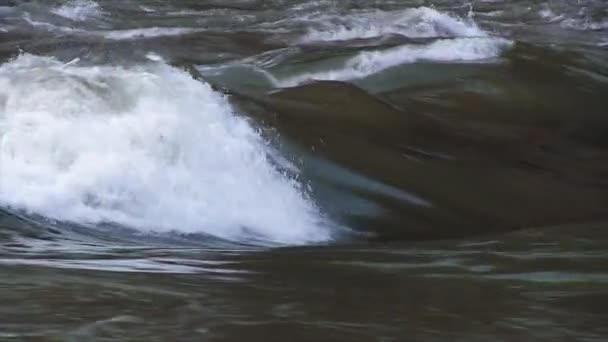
(245, 170)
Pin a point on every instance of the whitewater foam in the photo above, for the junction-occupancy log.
(370, 62)
(458, 39)
(547, 14)
(146, 147)
(584, 24)
(48, 26)
(78, 10)
(421, 22)
(149, 32)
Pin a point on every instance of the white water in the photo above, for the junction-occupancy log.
(585, 24)
(421, 22)
(547, 14)
(48, 26)
(370, 62)
(78, 10)
(148, 32)
(146, 147)
(460, 39)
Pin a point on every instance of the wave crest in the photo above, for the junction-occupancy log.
(146, 147)
(421, 22)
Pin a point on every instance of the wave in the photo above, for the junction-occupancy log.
(584, 24)
(548, 15)
(149, 32)
(125, 34)
(579, 23)
(421, 22)
(78, 10)
(371, 62)
(50, 27)
(456, 39)
(146, 147)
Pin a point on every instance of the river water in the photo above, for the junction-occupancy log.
(353, 170)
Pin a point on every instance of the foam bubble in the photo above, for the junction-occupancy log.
(146, 147)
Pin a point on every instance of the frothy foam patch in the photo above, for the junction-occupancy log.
(48, 26)
(422, 22)
(149, 32)
(370, 62)
(146, 147)
(548, 14)
(78, 10)
(585, 24)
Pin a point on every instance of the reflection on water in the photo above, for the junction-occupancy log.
(537, 284)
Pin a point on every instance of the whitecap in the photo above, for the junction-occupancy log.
(149, 32)
(421, 22)
(48, 26)
(370, 62)
(146, 147)
(78, 10)
(547, 14)
(584, 24)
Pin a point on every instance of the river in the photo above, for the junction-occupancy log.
(332, 170)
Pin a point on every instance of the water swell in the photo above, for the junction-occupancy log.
(146, 147)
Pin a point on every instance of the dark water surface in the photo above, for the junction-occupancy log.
(294, 170)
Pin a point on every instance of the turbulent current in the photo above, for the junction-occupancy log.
(145, 147)
(247, 170)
